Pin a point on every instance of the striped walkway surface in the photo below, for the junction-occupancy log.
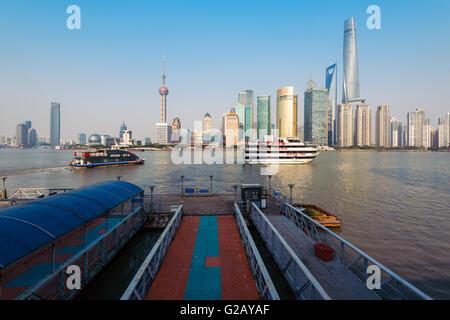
(206, 261)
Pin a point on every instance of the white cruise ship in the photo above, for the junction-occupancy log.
(286, 150)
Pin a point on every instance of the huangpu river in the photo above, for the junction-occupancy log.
(394, 205)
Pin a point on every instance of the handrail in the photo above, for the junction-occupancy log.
(301, 280)
(99, 244)
(313, 226)
(140, 285)
(263, 281)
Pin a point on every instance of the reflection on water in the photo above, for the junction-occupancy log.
(395, 206)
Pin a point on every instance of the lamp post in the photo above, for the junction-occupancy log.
(211, 181)
(291, 186)
(3, 187)
(182, 185)
(151, 195)
(270, 189)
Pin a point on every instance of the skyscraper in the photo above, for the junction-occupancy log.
(55, 124)
(82, 138)
(287, 103)
(345, 125)
(122, 128)
(22, 135)
(331, 85)
(245, 98)
(207, 123)
(363, 125)
(396, 134)
(176, 126)
(263, 107)
(351, 72)
(382, 126)
(230, 127)
(418, 129)
(316, 114)
(240, 111)
(443, 129)
(31, 138)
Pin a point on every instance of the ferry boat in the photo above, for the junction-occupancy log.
(104, 158)
(286, 150)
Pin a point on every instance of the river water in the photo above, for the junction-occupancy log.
(394, 205)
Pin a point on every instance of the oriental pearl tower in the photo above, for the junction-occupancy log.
(163, 91)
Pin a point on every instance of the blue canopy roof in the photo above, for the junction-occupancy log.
(28, 227)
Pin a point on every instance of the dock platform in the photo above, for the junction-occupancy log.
(206, 261)
(338, 282)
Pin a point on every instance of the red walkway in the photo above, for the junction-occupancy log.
(236, 280)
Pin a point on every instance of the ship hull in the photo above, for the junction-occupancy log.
(104, 165)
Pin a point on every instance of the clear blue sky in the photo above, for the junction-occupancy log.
(110, 70)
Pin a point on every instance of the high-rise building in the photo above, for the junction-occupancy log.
(418, 129)
(246, 98)
(207, 123)
(240, 111)
(396, 133)
(382, 126)
(316, 114)
(230, 129)
(22, 135)
(363, 125)
(287, 103)
(434, 138)
(345, 125)
(122, 128)
(55, 124)
(28, 124)
(32, 137)
(443, 128)
(301, 133)
(127, 139)
(163, 133)
(82, 138)
(176, 126)
(351, 71)
(263, 106)
(331, 85)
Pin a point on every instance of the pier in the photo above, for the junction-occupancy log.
(206, 250)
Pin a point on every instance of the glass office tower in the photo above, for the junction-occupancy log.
(316, 114)
(331, 85)
(55, 124)
(351, 72)
(263, 116)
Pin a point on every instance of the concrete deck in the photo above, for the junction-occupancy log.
(336, 280)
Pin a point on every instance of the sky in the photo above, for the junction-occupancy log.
(109, 71)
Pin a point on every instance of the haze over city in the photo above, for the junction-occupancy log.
(110, 70)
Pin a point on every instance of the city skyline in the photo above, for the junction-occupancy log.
(111, 100)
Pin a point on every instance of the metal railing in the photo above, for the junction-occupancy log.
(355, 260)
(34, 193)
(89, 261)
(156, 205)
(142, 281)
(263, 281)
(302, 282)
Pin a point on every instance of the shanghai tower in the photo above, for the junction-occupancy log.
(351, 73)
